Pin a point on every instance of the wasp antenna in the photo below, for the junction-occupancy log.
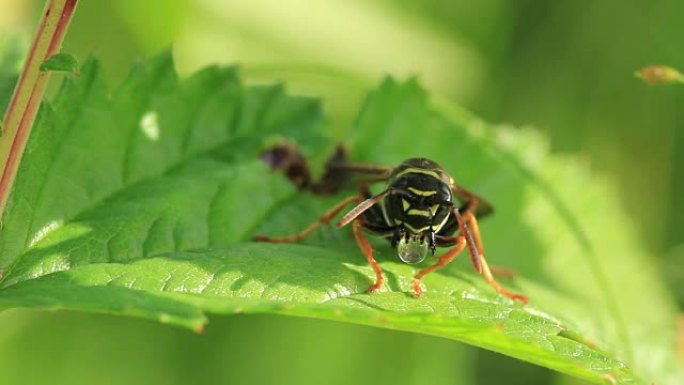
(470, 241)
(360, 208)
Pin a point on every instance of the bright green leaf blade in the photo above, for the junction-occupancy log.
(140, 203)
(62, 62)
(323, 283)
(57, 292)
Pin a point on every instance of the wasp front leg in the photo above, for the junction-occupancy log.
(444, 260)
(367, 251)
(356, 217)
(324, 219)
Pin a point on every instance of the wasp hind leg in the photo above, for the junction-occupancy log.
(324, 219)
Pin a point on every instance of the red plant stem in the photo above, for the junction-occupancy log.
(29, 91)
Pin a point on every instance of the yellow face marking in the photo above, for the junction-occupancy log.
(420, 230)
(405, 204)
(436, 228)
(412, 170)
(439, 227)
(422, 192)
(422, 213)
(384, 213)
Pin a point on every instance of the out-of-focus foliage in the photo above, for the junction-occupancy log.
(61, 62)
(564, 66)
(11, 58)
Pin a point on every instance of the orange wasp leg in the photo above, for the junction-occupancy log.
(471, 231)
(324, 219)
(367, 251)
(496, 270)
(504, 272)
(444, 260)
(474, 230)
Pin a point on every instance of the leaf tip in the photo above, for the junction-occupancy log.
(61, 62)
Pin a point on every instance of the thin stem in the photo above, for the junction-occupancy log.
(29, 91)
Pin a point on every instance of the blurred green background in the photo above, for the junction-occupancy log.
(565, 67)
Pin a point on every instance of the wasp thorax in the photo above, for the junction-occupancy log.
(412, 249)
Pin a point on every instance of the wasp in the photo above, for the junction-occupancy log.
(421, 209)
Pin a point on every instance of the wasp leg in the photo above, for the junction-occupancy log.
(504, 272)
(468, 225)
(374, 170)
(324, 219)
(474, 227)
(496, 270)
(367, 251)
(444, 260)
(340, 173)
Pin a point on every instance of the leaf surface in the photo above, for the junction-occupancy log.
(143, 202)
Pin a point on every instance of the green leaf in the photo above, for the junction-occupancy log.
(143, 202)
(62, 62)
(12, 54)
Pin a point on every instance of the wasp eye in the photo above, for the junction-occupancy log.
(412, 250)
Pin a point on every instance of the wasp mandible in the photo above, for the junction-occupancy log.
(416, 212)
